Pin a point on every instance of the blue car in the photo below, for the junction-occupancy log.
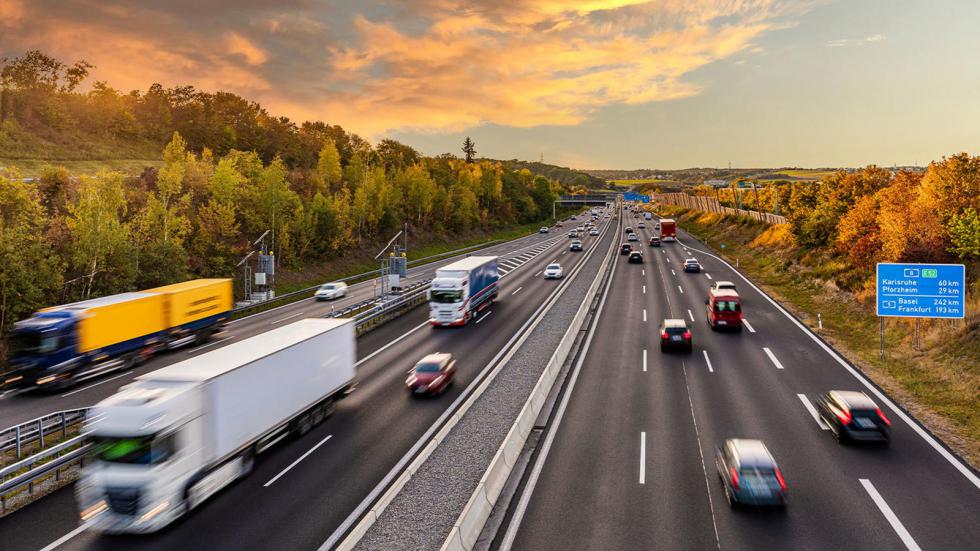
(749, 474)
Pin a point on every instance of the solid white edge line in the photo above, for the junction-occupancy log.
(643, 457)
(515, 522)
(294, 463)
(959, 466)
(56, 543)
(748, 325)
(813, 412)
(704, 468)
(93, 385)
(291, 316)
(772, 357)
(890, 516)
(708, 361)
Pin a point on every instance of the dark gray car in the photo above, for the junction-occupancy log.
(749, 473)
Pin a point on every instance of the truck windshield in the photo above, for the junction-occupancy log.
(23, 344)
(447, 296)
(139, 450)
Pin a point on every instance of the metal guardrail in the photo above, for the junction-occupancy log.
(17, 437)
(26, 472)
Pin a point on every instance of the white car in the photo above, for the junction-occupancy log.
(632, 237)
(554, 271)
(331, 291)
(543, 230)
(726, 285)
(593, 231)
(641, 226)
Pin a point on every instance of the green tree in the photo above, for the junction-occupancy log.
(469, 149)
(964, 233)
(101, 258)
(328, 166)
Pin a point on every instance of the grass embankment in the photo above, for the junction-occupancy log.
(937, 383)
(33, 168)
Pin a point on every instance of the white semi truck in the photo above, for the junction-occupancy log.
(174, 437)
(462, 289)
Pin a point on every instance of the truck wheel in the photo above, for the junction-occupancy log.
(248, 463)
(304, 424)
(202, 336)
(328, 408)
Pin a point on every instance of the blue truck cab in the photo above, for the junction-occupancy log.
(43, 347)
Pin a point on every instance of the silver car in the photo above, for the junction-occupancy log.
(331, 291)
(749, 473)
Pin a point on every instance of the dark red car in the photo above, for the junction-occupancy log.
(432, 374)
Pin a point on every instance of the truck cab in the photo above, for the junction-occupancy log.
(147, 452)
(447, 299)
(461, 289)
(43, 349)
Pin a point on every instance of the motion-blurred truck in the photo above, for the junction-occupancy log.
(462, 289)
(167, 442)
(62, 345)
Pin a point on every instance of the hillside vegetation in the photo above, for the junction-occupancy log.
(228, 173)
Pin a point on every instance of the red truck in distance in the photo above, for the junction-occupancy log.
(668, 229)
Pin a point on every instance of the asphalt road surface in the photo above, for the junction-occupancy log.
(303, 489)
(631, 464)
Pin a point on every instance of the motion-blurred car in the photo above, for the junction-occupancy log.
(654, 241)
(632, 237)
(573, 234)
(432, 374)
(331, 291)
(576, 246)
(636, 257)
(675, 334)
(543, 230)
(626, 249)
(723, 285)
(554, 271)
(593, 231)
(749, 473)
(692, 265)
(628, 230)
(641, 226)
(853, 416)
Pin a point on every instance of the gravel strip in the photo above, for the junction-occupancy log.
(423, 513)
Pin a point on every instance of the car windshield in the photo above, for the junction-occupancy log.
(447, 296)
(22, 344)
(139, 450)
(427, 367)
(727, 306)
(327, 287)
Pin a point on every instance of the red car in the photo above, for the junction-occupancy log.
(432, 374)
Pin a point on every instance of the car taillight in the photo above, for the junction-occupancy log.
(881, 416)
(734, 477)
(844, 417)
(687, 334)
(779, 477)
(664, 335)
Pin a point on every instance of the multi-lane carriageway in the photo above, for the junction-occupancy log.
(627, 460)
(304, 489)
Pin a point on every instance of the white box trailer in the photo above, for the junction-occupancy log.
(175, 436)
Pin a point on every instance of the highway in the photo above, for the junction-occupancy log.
(304, 489)
(628, 462)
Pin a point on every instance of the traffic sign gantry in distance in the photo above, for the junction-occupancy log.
(921, 290)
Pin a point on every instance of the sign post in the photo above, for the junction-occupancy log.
(919, 291)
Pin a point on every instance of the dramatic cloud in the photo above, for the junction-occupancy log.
(374, 66)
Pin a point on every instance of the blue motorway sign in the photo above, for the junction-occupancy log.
(921, 290)
(631, 196)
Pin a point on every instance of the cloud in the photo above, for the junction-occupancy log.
(855, 41)
(380, 65)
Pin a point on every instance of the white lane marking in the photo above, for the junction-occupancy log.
(644, 289)
(681, 289)
(390, 344)
(889, 515)
(704, 468)
(517, 291)
(689, 314)
(502, 272)
(212, 343)
(707, 275)
(93, 385)
(643, 272)
(280, 320)
(956, 463)
(668, 259)
(484, 316)
(643, 458)
(748, 325)
(509, 264)
(813, 412)
(672, 272)
(644, 315)
(294, 463)
(708, 361)
(537, 274)
(644, 359)
(57, 543)
(772, 357)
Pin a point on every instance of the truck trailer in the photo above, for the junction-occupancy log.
(60, 346)
(668, 229)
(176, 436)
(462, 289)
